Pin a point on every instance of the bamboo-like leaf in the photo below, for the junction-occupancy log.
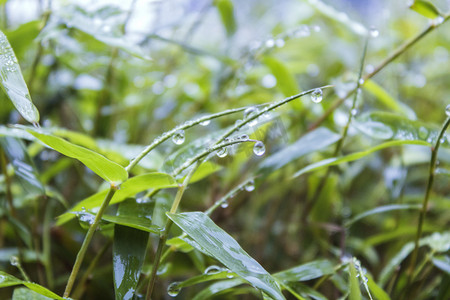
(128, 256)
(307, 271)
(23, 293)
(13, 84)
(103, 167)
(9, 280)
(286, 81)
(226, 11)
(215, 242)
(381, 209)
(129, 188)
(23, 165)
(217, 288)
(354, 156)
(313, 141)
(376, 290)
(355, 292)
(425, 8)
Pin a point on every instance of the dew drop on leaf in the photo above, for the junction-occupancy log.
(244, 137)
(222, 152)
(173, 289)
(250, 186)
(374, 32)
(205, 123)
(14, 260)
(447, 110)
(212, 270)
(224, 204)
(178, 137)
(259, 148)
(317, 95)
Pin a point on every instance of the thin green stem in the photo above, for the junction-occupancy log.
(165, 232)
(78, 292)
(46, 245)
(87, 240)
(432, 170)
(396, 53)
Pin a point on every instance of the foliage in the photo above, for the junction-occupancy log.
(225, 149)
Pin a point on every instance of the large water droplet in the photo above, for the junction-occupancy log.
(374, 32)
(211, 270)
(270, 43)
(447, 110)
(259, 148)
(224, 204)
(178, 137)
(173, 289)
(317, 95)
(222, 152)
(14, 260)
(250, 186)
(361, 81)
(244, 137)
(205, 123)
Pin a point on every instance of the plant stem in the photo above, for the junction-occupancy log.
(434, 153)
(396, 53)
(87, 240)
(163, 236)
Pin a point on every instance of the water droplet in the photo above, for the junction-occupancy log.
(361, 81)
(250, 186)
(244, 137)
(249, 113)
(224, 204)
(173, 289)
(447, 110)
(211, 270)
(423, 133)
(302, 31)
(222, 152)
(83, 209)
(268, 81)
(279, 43)
(354, 112)
(259, 148)
(374, 32)
(270, 43)
(14, 260)
(106, 28)
(438, 20)
(205, 123)
(230, 274)
(317, 95)
(178, 137)
(238, 122)
(442, 140)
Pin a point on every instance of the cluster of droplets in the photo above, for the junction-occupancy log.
(7, 57)
(86, 217)
(361, 273)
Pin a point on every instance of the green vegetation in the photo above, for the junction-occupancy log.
(225, 150)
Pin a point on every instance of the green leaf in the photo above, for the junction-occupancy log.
(355, 292)
(439, 242)
(442, 262)
(286, 81)
(217, 288)
(354, 156)
(13, 84)
(311, 142)
(376, 290)
(382, 125)
(384, 97)
(226, 12)
(23, 165)
(110, 171)
(103, 25)
(22, 37)
(204, 170)
(128, 256)
(129, 188)
(220, 274)
(27, 294)
(308, 271)
(134, 215)
(381, 209)
(215, 242)
(425, 8)
(9, 280)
